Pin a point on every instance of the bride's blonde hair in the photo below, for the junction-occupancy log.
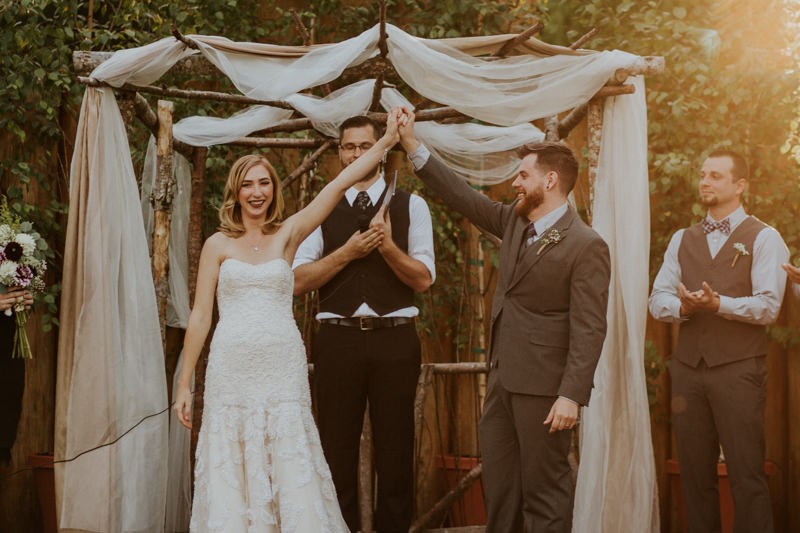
(230, 213)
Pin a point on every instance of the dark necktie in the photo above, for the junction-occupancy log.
(724, 226)
(530, 234)
(362, 201)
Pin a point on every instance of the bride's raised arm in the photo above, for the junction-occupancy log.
(302, 223)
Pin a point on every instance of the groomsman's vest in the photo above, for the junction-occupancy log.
(369, 279)
(706, 335)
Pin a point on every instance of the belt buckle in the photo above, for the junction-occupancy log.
(363, 323)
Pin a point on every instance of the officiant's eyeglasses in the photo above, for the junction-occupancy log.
(349, 147)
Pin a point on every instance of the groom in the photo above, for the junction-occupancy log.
(548, 327)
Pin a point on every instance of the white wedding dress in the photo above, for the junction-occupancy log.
(260, 466)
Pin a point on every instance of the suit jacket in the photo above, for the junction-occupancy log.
(549, 307)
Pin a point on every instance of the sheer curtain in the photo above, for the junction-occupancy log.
(112, 367)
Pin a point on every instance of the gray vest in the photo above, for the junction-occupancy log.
(706, 335)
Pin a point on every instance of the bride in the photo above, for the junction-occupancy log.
(259, 465)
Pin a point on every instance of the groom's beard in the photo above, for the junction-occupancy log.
(529, 202)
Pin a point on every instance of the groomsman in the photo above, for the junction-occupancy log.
(722, 281)
(548, 325)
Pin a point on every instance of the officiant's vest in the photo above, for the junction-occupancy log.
(706, 335)
(368, 279)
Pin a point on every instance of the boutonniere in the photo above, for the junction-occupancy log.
(553, 236)
(740, 251)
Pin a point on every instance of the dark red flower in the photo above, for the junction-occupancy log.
(13, 251)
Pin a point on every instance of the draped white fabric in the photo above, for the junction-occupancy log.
(208, 131)
(505, 91)
(118, 372)
(118, 336)
(616, 480)
(274, 78)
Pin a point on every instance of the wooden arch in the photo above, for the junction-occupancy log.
(159, 122)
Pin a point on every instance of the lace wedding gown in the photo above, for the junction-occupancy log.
(260, 466)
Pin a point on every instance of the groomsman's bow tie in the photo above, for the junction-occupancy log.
(724, 226)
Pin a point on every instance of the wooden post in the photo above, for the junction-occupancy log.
(195, 246)
(595, 122)
(163, 193)
(366, 475)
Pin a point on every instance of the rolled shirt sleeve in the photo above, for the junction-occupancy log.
(665, 304)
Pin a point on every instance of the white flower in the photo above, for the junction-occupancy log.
(5, 233)
(740, 251)
(7, 271)
(27, 242)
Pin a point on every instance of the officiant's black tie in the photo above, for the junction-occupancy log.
(362, 203)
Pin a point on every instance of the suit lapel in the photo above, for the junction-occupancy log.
(532, 254)
(512, 255)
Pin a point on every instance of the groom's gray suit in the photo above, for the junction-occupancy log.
(547, 330)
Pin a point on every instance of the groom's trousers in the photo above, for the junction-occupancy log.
(526, 474)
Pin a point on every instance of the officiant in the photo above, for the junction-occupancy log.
(367, 260)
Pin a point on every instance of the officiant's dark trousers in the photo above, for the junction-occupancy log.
(353, 366)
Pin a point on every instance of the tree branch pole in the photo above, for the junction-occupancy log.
(195, 246)
(382, 39)
(376, 92)
(521, 38)
(299, 124)
(277, 142)
(308, 40)
(366, 474)
(308, 162)
(583, 39)
(301, 28)
(448, 499)
(595, 127)
(148, 117)
(186, 94)
(163, 193)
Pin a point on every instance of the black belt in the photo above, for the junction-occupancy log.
(366, 323)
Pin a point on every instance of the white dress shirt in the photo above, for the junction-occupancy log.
(420, 245)
(766, 276)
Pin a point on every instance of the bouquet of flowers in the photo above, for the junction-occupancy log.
(22, 265)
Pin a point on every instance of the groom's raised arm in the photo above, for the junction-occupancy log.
(481, 211)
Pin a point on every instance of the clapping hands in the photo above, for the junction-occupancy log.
(704, 299)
